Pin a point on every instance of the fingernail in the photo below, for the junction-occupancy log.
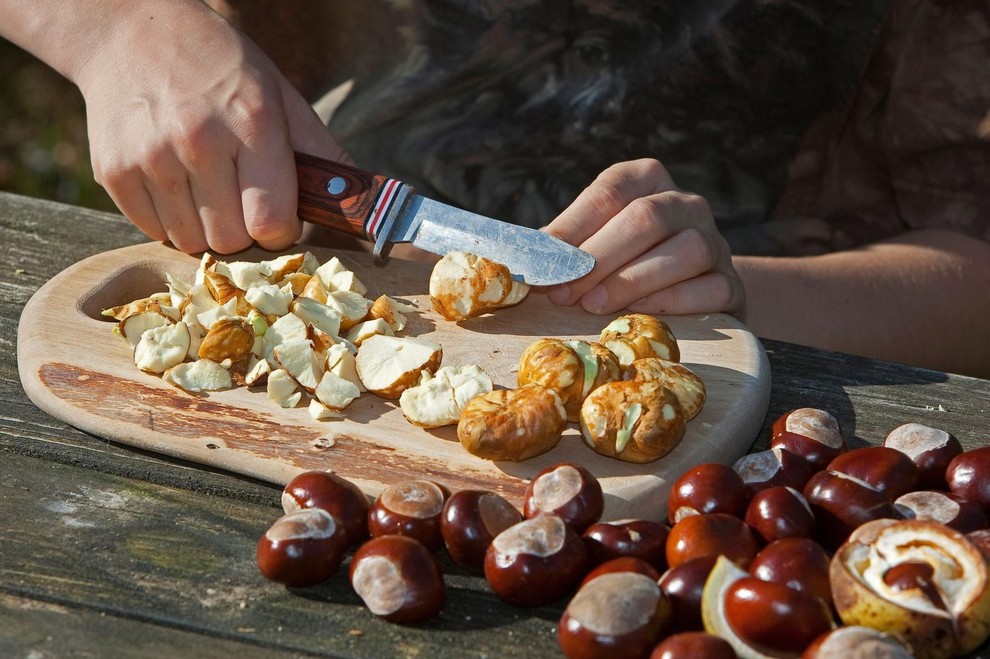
(560, 295)
(595, 299)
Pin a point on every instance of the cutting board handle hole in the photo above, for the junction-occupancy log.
(127, 283)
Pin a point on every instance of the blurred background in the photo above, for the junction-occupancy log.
(43, 147)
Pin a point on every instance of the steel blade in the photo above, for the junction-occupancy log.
(535, 257)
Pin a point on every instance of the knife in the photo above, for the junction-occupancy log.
(386, 211)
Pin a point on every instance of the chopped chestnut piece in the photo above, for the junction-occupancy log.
(624, 613)
(470, 521)
(685, 645)
(968, 475)
(709, 487)
(410, 508)
(884, 469)
(943, 507)
(535, 562)
(811, 433)
(772, 468)
(780, 512)
(398, 579)
(840, 504)
(302, 549)
(338, 496)
(568, 491)
(800, 563)
(623, 564)
(683, 585)
(929, 448)
(708, 535)
(629, 537)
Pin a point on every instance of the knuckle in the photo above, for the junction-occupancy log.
(698, 248)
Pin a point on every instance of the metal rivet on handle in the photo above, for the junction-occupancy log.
(336, 185)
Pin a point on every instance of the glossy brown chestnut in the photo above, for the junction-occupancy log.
(929, 448)
(968, 475)
(709, 487)
(302, 549)
(620, 613)
(623, 564)
(811, 433)
(772, 468)
(470, 521)
(338, 496)
(683, 585)
(629, 537)
(536, 561)
(780, 512)
(840, 504)
(943, 507)
(398, 579)
(856, 642)
(411, 508)
(567, 490)
(884, 469)
(687, 645)
(773, 618)
(800, 563)
(707, 535)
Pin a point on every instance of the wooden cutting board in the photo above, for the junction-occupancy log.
(75, 369)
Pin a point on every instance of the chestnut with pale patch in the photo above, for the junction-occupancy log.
(620, 612)
(411, 508)
(302, 548)
(568, 491)
(398, 579)
(535, 562)
(811, 433)
(929, 448)
(772, 468)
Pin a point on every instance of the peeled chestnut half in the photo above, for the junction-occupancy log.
(919, 580)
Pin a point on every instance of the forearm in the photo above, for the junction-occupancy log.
(922, 299)
(65, 34)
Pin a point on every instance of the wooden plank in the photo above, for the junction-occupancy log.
(174, 559)
(78, 371)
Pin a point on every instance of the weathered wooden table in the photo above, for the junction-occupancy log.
(108, 551)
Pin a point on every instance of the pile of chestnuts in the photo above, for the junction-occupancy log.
(807, 549)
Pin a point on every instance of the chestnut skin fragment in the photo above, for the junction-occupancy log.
(512, 424)
(634, 421)
(624, 613)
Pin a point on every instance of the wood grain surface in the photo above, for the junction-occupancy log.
(74, 368)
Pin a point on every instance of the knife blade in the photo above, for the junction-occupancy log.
(387, 211)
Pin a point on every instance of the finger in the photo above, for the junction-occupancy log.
(643, 224)
(266, 176)
(307, 132)
(216, 194)
(610, 193)
(712, 292)
(128, 192)
(684, 256)
(168, 185)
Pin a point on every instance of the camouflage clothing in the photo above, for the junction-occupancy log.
(809, 125)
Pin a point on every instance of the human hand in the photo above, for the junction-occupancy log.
(657, 248)
(192, 130)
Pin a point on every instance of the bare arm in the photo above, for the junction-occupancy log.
(922, 298)
(191, 126)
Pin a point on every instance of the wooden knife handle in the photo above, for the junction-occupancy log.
(343, 198)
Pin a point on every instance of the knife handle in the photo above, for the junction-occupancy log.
(344, 198)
